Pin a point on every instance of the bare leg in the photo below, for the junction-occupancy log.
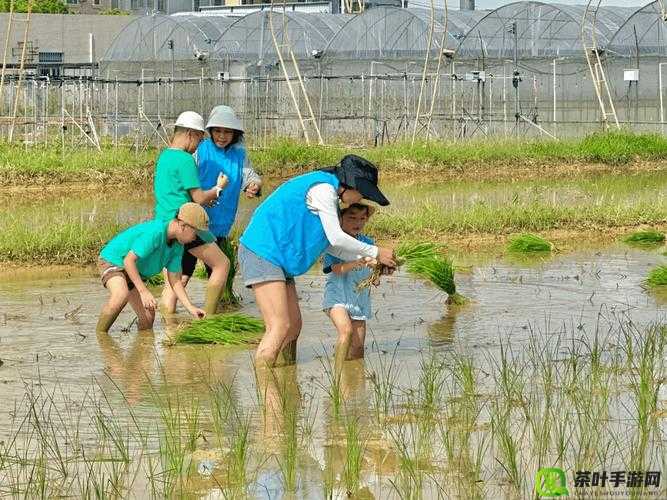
(213, 257)
(341, 320)
(168, 296)
(145, 318)
(358, 339)
(119, 292)
(295, 322)
(273, 302)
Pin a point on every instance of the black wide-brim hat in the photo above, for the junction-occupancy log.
(358, 173)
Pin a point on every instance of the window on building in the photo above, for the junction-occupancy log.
(50, 63)
(72, 2)
(96, 2)
(161, 6)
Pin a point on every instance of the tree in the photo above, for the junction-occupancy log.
(38, 6)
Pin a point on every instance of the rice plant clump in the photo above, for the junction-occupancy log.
(529, 243)
(645, 238)
(224, 329)
(657, 277)
(440, 272)
(155, 280)
(405, 252)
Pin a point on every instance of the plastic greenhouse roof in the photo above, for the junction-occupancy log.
(147, 37)
(543, 30)
(249, 38)
(384, 32)
(651, 33)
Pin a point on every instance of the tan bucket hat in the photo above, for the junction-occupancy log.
(193, 215)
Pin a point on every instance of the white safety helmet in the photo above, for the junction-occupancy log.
(191, 120)
(224, 117)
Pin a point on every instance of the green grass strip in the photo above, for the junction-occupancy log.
(223, 329)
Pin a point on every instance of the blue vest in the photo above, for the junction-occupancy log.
(211, 161)
(282, 229)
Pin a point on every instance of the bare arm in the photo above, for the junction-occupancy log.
(130, 265)
(178, 288)
(202, 197)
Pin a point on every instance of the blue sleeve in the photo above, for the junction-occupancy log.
(328, 261)
(366, 239)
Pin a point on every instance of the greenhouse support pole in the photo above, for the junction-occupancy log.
(662, 98)
(554, 89)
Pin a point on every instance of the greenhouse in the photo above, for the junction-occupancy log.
(517, 69)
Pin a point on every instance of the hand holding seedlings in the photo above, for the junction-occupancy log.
(223, 180)
(252, 190)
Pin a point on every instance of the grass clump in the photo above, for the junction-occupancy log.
(529, 243)
(440, 272)
(657, 277)
(155, 280)
(649, 237)
(224, 329)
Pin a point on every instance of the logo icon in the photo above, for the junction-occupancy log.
(551, 482)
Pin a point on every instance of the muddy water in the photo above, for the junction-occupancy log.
(48, 343)
(47, 340)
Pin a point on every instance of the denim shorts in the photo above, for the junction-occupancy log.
(256, 270)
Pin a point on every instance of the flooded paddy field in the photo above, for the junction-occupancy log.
(557, 361)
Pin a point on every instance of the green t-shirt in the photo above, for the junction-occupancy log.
(175, 174)
(148, 241)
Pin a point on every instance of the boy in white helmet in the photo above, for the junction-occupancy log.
(177, 182)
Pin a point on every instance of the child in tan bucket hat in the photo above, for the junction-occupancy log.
(140, 252)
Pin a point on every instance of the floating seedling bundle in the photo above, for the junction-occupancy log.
(529, 243)
(425, 261)
(657, 277)
(649, 237)
(224, 329)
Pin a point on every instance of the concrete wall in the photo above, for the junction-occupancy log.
(65, 33)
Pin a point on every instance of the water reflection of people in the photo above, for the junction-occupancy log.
(130, 370)
(441, 333)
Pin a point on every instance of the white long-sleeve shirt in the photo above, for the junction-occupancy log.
(322, 200)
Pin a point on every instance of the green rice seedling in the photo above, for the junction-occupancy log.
(384, 379)
(229, 247)
(409, 250)
(529, 243)
(224, 329)
(657, 277)
(288, 459)
(649, 237)
(155, 280)
(354, 454)
(405, 252)
(508, 444)
(440, 272)
(332, 384)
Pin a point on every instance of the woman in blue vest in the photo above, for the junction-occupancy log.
(223, 153)
(287, 234)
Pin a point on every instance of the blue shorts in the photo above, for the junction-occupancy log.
(256, 270)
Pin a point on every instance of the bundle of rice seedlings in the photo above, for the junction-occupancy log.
(528, 243)
(645, 238)
(230, 249)
(657, 277)
(405, 252)
(440, 272)
(224, 329)
(155, 280)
